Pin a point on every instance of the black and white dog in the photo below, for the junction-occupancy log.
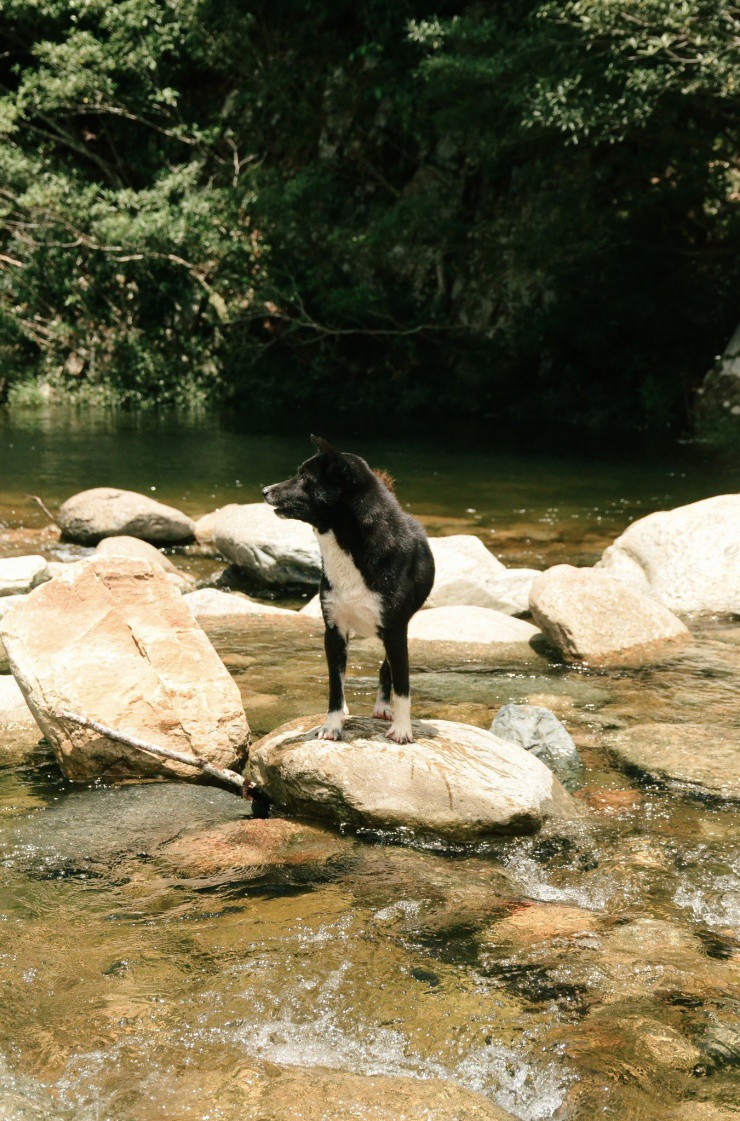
(378, 570)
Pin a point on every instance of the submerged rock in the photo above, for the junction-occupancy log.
(270, 550)
(91, 515)
(19, 575)
(538, 730)
(319, 1094)
(590, 616)
(137, 549)
(700, 759)
(213, 603)
(472, 625)
(688, 558)
(252, 849)
(468, 575)
(455, 781)
(112, 640)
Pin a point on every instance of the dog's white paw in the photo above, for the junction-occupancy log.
(400, 733)
(332, 727)
(382, 710)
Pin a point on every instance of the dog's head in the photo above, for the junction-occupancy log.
(321, 486)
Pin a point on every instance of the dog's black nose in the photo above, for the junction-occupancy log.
(265, 491)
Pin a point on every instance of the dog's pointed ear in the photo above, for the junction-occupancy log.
(323, 446)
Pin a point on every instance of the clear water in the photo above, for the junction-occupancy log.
(566, 977)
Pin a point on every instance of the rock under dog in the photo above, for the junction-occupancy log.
(378, 570)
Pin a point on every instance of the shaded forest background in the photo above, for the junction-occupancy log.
(520, 212)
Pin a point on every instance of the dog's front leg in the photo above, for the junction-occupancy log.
(335, 645)
(397, 652)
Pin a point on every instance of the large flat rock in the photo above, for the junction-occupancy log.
(91, 515)
(698, 759)
(112, 640)
(455, 781)
(481, 626)
(688, 558)
(589, 616)
(273, 551)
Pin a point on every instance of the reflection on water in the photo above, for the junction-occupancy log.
(581, 974)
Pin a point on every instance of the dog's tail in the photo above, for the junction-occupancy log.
(386, 479)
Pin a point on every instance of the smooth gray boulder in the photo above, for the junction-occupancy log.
(688, 558)
(698, 759)
(591, 617)
(91, 515)
(468, 575)
(18, 575)
(212, 603)
(538, 730)
(273, 551)
(454, 781)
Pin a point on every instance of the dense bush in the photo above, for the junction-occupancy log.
(520, 210)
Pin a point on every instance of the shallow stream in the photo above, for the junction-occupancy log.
(575, 975)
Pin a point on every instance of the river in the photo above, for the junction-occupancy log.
(563, 978)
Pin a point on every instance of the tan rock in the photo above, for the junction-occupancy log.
(701, 759)
(137, 549)
(204, 526)
(454, 780)
(468, 575)
(688, 558)
(19, 575)
(590, 616)
(91, 515)
(112, 640)
(542, 922)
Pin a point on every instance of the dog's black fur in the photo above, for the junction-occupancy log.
(378, 571)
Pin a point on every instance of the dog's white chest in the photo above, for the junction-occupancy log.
(350, 605)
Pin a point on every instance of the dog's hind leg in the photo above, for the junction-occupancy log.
(397, 652)
(382, 710)
(335, 645)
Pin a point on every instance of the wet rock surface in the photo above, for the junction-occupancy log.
(694, 759)
(112, 640)
(589, 616)
(91, 515)
(252, 849)
(453, 781)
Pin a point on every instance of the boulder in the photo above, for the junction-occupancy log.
(688, 558)
(14, 712)
(270, 550)
(19, 575)
(538, 730)
(698, 759)
(91, 515)
(589, 616)
(455, 781)
(112, 640)
(472, 625)
(213, 603)
(251, 849)
(468, 575)
(204, 526)
(137, 549)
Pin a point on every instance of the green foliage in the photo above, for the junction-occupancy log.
(521, 211)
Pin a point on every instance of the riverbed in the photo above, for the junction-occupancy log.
(573, 975)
